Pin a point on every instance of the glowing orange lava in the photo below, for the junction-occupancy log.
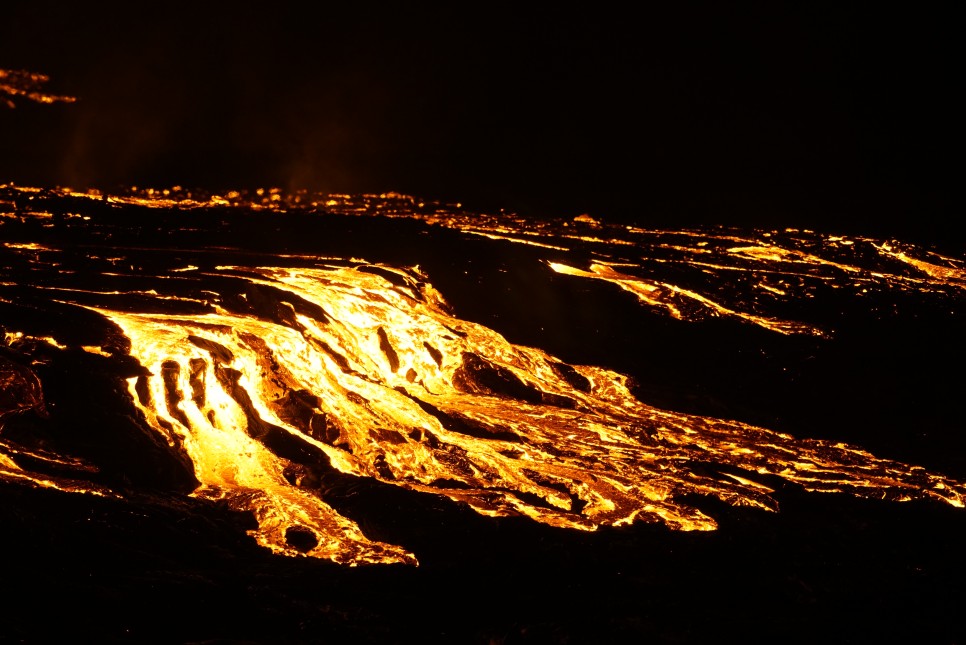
(365, 367)
(27, 85)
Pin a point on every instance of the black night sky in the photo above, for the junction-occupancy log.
(837, 117)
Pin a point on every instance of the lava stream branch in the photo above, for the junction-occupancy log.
(342, 367)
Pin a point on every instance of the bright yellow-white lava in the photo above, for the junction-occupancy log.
(955, 274)
(365, 368)
(680, 303)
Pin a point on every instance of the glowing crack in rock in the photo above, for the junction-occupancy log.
(20, 392)
(26, 85)
(680, 303)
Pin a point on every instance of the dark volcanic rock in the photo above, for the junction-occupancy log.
(20, 390)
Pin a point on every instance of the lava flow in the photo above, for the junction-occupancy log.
(260, 375)
(22, 84)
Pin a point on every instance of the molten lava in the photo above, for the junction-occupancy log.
(260, 374)
(26, 85)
